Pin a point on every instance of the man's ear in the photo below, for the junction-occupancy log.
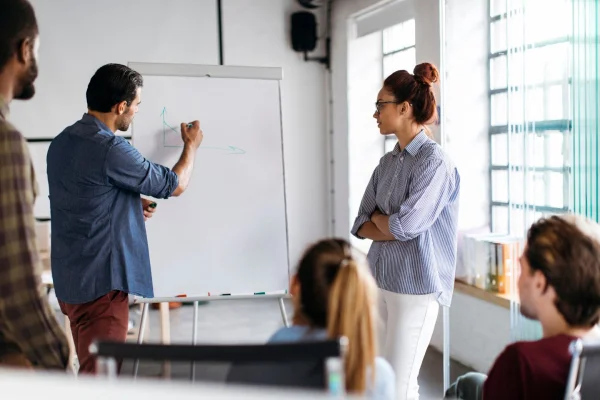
(24, 51)
(120, 108)
(540, 282)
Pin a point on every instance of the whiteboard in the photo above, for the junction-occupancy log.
(38, 151)
(228, 232)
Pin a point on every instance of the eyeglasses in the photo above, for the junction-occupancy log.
(379, 104)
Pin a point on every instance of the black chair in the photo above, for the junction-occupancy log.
(584, 374)
(312, 365)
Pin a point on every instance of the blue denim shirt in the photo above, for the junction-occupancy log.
(98, 233)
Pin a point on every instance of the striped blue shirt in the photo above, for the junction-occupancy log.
(418, 187)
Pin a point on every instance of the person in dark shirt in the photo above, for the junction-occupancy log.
(559, 286)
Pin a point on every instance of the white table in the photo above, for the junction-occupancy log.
(57, 386)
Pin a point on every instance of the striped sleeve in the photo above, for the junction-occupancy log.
(368, 205)
(429, 191)
(24, 309)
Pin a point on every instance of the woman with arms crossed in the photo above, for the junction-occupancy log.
(410, 211)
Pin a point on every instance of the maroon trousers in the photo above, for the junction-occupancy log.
(105, 318)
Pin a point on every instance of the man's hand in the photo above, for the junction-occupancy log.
(148, 209)
(192, 138)
(191, 134)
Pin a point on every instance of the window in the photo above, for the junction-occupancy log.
(398, 49)
(529, 88)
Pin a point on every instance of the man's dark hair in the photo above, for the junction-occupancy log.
(570, 261)
(17, 23)
(110, 85)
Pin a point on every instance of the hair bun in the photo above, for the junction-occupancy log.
(426, 73)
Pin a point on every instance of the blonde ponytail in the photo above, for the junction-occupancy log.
(351, 314)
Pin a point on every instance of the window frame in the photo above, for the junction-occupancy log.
(526, 128)
(388, 139)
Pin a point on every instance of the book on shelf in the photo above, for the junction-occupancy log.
(490, 259)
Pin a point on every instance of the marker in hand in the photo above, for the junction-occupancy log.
(149, 210)
(191, 134)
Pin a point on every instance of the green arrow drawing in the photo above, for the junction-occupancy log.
(166, 127)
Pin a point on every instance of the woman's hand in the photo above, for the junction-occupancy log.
(376, 215)
(381, 221)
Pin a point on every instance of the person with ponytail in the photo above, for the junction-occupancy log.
(410, 212)
(335, 296)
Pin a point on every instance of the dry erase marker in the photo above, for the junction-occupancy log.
(257, 293)
(226, 294)
(190, 125)
(152, 205)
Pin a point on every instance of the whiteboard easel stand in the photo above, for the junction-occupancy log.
(194, 336)
(141, 332)
(446, 346)
(195, 300)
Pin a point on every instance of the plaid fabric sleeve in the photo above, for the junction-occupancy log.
(24, 309)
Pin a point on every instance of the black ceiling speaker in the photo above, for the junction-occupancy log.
(304, 31)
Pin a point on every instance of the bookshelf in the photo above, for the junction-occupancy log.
(499, 299)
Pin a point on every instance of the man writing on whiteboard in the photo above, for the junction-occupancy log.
(99, 244)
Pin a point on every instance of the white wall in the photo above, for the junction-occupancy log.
(428, 40)
(342, 10)
(365, 144)
(78, 37)
(479, 331)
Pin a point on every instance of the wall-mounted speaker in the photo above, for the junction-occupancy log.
(304, 31)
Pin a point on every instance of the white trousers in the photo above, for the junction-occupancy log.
(407, 323)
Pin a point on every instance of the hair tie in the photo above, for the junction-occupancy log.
(419, 79)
